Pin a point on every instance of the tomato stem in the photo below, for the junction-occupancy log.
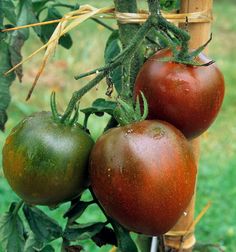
(106, 68)
(127, 53)
(76, 96)
(55, 114)
(154, 7)
(103, 24)
(98, 203)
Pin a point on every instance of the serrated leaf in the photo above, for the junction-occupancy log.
(25, 16)
(5, 82)
(11, 231)
(100, 106)
(112, 49)
(47, 30)
(124, 240)
(44, 228)
(76, 210)
(82, 231)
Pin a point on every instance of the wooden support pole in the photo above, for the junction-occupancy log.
(200, 33)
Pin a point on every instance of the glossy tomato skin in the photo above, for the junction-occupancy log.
(189, 97)
(45, 162)
(143, 174)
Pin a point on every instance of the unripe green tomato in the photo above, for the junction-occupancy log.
(45, 162)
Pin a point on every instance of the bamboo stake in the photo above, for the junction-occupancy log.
(200, 33)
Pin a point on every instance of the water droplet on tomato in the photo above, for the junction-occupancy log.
(186, 90)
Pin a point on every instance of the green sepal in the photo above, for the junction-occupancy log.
(187, 62)
(126, 113)
(196, 52)
(56, 116)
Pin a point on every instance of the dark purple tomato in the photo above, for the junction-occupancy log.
(189, 97)
(143, 174)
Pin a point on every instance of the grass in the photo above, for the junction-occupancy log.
(217, 171)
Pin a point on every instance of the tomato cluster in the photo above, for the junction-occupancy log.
(143, 174)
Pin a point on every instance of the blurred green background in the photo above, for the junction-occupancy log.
(217, 173)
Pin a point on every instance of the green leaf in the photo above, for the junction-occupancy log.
(100, 106)
(112, 49)
(44, 228)
(11, 231)
(47, 30)
(1, 17)
(25, 16)
(76, 210)
(82, 231)
(38, 4)
(8, 10)
(32, 243)
(124, 240)
(5, 82)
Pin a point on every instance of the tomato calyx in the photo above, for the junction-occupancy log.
(126, 112)
(57, 117)
(183, 56)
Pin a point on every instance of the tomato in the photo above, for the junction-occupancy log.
(143, 174)
(45, 162)
(189, 97)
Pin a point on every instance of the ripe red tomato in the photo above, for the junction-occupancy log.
(45, 162)
(189, 97)
(143, 174)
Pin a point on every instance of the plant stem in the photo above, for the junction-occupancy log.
(103, 24)
(111, 124)
(98, 203)
(76, 96)
(129, 53)
(125, 55)
(127, 32)
(108, 67)
(154, 7)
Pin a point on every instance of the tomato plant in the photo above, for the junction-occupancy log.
(143, 170)
(45, 162)
(187, 96)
